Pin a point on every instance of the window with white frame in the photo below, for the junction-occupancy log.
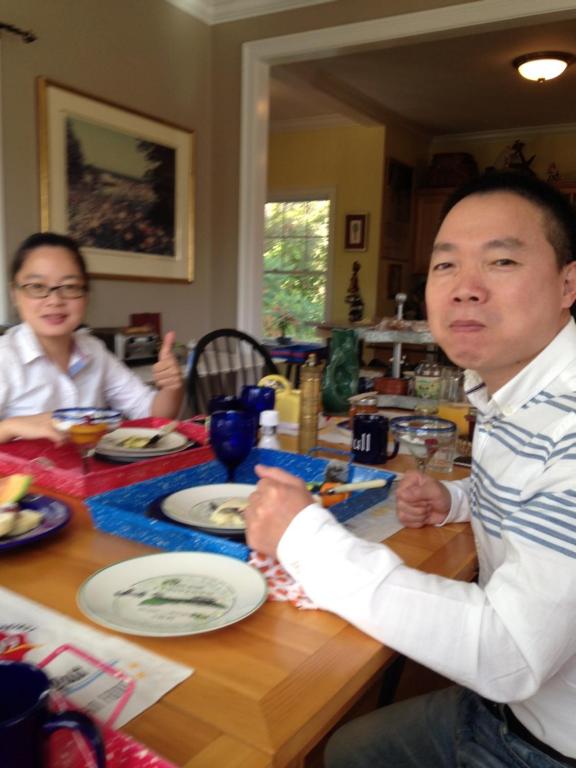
(296, 251)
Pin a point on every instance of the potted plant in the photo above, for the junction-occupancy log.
(283, 322)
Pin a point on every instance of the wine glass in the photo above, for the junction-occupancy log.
(424, 436)
(232, 436)
(85, 427)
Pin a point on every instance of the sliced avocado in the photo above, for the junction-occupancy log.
(12, 488)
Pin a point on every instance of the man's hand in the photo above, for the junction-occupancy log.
(278, 498)
(167, 373)
(421, 500)
(30, 428)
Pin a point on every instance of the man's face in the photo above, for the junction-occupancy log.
(495, 295)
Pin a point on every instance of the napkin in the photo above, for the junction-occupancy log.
(281, 586)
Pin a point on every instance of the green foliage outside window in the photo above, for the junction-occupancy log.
(295, 266)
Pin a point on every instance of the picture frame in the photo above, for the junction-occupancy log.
(120, 182)
(356, 232)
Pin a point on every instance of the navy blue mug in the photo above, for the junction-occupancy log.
(26, 721)
(370, 439)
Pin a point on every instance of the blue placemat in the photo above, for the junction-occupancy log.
(123, 511)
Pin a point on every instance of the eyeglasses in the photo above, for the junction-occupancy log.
(41, 291)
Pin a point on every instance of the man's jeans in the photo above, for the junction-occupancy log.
(452, 728)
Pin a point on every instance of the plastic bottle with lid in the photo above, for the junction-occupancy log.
(268, 425)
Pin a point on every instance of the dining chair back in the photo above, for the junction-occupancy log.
(224, 361)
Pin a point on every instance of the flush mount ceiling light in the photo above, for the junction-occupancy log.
(542, 66)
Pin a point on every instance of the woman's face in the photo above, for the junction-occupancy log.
(53, 316)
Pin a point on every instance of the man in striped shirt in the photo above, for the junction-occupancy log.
(501, 282)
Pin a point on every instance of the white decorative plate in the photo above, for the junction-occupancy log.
(172, 594)
(110, 444)
(194, 506)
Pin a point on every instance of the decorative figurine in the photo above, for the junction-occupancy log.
(354, 297)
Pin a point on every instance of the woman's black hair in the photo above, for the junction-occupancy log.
(560, 217)
(53, 240)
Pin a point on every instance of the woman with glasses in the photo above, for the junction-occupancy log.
(47, 362)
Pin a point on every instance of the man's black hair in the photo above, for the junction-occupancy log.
(560, 216)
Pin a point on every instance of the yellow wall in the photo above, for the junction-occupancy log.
(350, 161)
(555, 147)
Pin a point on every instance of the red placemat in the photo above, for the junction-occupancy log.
(59, 467)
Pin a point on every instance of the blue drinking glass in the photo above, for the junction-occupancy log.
(225, 403)
(257, 399)
(232, 435)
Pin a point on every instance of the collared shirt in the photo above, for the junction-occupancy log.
(31, 383)
(512, 636)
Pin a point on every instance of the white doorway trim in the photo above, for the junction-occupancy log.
(260, 55)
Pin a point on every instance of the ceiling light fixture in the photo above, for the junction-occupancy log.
(542, 66)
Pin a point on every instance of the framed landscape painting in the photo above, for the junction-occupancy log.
(119, 182)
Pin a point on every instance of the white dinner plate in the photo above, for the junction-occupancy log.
(109, 445)
(194, 506)
(172, 594)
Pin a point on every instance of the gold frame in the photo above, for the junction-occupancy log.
(55, 103)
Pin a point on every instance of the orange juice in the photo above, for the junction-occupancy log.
(457, 413)
(87, 434)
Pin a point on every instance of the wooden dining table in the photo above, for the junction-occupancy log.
(264, 691)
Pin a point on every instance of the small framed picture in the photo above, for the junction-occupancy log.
(356, 233)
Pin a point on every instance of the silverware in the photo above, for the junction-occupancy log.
(359, 486)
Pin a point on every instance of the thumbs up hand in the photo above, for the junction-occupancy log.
(167, 373)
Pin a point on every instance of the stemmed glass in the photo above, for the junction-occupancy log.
(232, 436)
(424, 436)
(85, 427)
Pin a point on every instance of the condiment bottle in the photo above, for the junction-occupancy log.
(367, 403)
(310, 403)
(268, 425)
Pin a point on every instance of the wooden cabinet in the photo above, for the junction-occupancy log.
(427, 209)
(568, 188)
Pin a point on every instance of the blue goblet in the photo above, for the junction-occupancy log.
(256, 399)
(232, 436)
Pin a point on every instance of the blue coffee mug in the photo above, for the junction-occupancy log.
(370, 439)
(26, 721)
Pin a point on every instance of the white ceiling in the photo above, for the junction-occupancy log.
(450, 86)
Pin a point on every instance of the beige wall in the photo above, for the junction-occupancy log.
(349, 161)
(145, 55)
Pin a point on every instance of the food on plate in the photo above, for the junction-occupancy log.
(26, 520)
(13, 488)
(229, 513)
(6, 522)
(134, 442)
(16, 522)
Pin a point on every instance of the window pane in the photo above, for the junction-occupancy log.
(318, 254)
(273, 219)
(273, 253)
(294, 219)
(318, 218)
